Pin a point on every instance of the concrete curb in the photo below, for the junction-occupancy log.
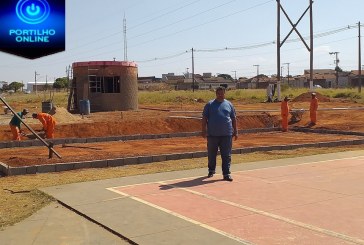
(60, 141)
(117, 162)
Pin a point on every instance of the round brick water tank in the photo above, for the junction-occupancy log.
(108, 85)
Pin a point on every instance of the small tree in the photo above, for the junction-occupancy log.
(58, 84)
(338, 69)
(225, 76)
(61, 82)
(16, 86)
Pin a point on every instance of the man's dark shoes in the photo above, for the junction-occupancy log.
(228, 177)
(210, 175)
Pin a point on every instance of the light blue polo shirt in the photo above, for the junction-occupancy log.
(219, 115)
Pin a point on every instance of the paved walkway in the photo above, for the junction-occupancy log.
(56, 224)
(305, 200)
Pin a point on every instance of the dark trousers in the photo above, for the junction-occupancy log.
(224, 143)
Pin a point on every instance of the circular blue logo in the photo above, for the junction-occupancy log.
(32, 11)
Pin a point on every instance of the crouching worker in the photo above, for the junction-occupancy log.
(48, 122)
(15, 124)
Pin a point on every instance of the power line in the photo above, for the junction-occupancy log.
(205, 23)
(162, 15)
(254, 46)
(179, 21)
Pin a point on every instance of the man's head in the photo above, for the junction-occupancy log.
(286, 98)
(313, 95)
(25, 111)
(220, 94)
(35, 115)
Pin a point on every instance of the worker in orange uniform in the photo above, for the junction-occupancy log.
(284, 114)
(15, 124)
(48, 122)
(313, 109)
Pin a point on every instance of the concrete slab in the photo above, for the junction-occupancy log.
(56, 224)
(287, 201)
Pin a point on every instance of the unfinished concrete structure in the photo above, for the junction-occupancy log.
(107, 85)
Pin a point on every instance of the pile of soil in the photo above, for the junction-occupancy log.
(110, 150)
(152, 126)
(63, 116)
(306, 97)
(132, 125)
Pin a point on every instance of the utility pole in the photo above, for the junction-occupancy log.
(35, 81)
(287, 71)
(68, 69)
(235, 74)
(193, 72)
(359, 85)
(257, 70)
(336, 61)
(125, 41)
(280, 43)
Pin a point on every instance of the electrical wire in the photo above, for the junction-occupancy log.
(202, 24)
(254, 46)
(187, 18)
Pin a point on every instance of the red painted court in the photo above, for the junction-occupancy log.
(311, 203)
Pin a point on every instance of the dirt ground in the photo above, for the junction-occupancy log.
(110, 150)
(175, 118)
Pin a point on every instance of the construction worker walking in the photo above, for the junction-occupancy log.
(284, 114)
(48, 122)
(313, 109)
(15, 123)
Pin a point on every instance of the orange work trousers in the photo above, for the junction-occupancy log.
(313, 116)
(16, 132)
(284, 124)
(50, 129)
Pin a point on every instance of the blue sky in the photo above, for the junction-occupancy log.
(158, 30)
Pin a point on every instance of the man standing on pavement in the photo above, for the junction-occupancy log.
(15, 124)
(219, 126)
(48, 122)
(313, 109)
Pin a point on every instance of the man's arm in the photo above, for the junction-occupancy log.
(43, 121)
(235, 127)
(204, 126)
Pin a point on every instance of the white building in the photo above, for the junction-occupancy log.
(41, 86)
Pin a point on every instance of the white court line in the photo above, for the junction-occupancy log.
(183, 217)
(248, 170)
(274, 216)
(267, 214)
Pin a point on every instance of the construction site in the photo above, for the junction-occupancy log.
(165, 132)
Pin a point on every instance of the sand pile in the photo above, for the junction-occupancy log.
(63, 116)
(306, 97)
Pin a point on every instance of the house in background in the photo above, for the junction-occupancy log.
(2, 83)
(353, 78)
(205, 81)
(39, 86)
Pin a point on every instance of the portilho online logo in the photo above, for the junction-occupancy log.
(32, 11)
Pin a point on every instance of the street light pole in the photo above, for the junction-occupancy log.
(35, 81)
(193, 72)
(235, 74)
(287, 71)
(359, 53)
(336, 67)
(257, 70)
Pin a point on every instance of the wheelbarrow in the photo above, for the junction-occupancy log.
(296, 115)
